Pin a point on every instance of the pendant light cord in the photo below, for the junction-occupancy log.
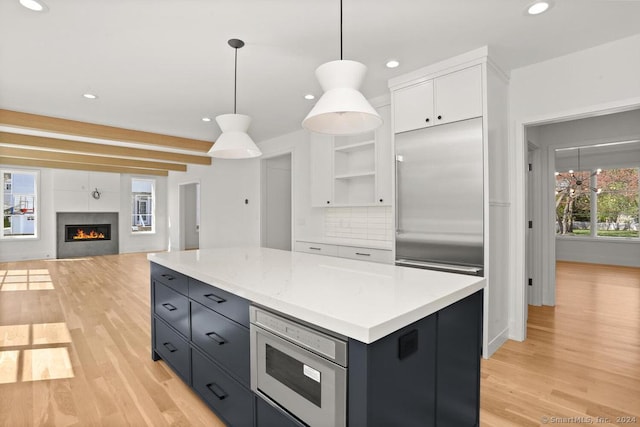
(235, 79)
(341, 30)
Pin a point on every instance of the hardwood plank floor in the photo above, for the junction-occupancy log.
(580, 363)
(75, 351)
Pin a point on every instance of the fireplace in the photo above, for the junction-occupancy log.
(82, 234)
(87, 232)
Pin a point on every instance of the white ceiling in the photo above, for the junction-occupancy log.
(161, 65)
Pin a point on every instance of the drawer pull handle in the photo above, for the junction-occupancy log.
(168, 276)
(362, 254)
(217, 338)
(215, 298)
(169, 307)
(217, 391)
(170, 347)
(315, 249)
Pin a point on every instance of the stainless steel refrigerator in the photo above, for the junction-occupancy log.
(439, 197)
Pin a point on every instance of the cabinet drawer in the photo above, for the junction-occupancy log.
(316, 248)
(170, 278)
(221, 392)
(225, 303)
(172, 307)
(269, 416)
(365, 254)
(223, 340)
(173, 349)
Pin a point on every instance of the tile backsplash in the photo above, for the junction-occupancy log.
(370, 223)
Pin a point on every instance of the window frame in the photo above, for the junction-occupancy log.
(134, 202)
(36, 204)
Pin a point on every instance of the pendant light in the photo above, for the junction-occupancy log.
(342, 109)
(234, 142)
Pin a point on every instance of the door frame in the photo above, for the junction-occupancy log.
(181, 211)
(535, 192)
(518, 298)
(263, 192)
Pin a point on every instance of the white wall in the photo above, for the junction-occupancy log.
(226, 220)
(598, 79)
(70, 191)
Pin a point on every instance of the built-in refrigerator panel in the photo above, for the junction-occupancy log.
(439, 196)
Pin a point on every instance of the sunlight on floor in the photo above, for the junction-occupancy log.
(36, 363)
(25, 280)
(9, 366)
(46, 364)
(14, 335)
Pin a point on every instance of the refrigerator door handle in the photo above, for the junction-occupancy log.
(398, 159)
(441, 267)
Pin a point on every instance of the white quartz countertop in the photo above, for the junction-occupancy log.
(358, 299)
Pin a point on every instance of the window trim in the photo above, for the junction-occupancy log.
(37, 205)
(153, 206)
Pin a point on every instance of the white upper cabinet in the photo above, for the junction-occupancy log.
(445, 99)
(458, 96)
(321, 169)
(413, 107)
(384, 158)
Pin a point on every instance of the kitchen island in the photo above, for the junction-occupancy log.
(412, 336)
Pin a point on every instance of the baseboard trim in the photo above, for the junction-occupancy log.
(497, 342)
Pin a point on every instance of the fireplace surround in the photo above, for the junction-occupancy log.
(86, 234)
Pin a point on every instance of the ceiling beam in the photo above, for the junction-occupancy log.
(72, 127)
(79, 166)
(89, 147)
(26, 153)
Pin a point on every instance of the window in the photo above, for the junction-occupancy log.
(598, 203)
(19, 204)
(142, 205)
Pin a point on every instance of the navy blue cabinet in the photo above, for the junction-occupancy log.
(202, 333)
(425, 374)
(269, 416)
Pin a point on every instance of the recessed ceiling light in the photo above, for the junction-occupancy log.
(206, 119)
(34, 5)
(90, 96)
(309, 96)
(538, 7)
(392, 64)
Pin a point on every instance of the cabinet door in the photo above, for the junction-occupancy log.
(223, 340)
(321, 169)
(413, 107)
(384, 158)
(231, 401)
(173, 349)
(458, 96)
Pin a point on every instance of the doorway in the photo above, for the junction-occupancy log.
(276, 202)
(578, 155)
(190, 216)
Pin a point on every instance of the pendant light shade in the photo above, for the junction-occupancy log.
(342, 109)
(234, 142)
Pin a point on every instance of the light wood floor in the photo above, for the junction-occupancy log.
(581, 357)
(74, 351)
